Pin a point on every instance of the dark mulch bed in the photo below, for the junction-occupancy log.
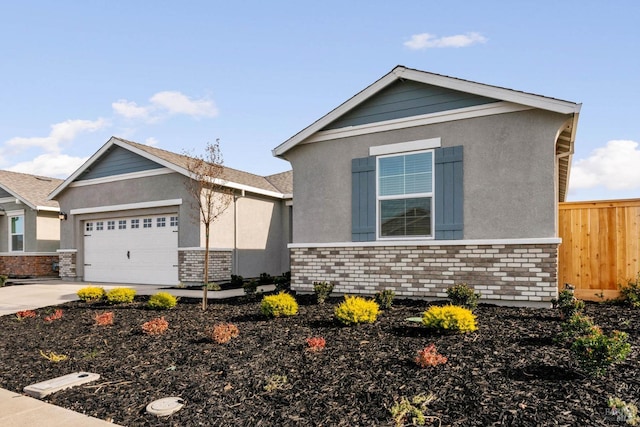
(509, 372)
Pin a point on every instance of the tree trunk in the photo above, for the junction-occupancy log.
(205, 285)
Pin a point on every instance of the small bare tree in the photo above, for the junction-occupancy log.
(207, 187)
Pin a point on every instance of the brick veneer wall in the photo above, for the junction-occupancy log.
(507, 273)
(67, 264)
(191, 265)
(28, 265)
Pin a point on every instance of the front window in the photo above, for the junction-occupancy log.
(16, 226)
(405, 195)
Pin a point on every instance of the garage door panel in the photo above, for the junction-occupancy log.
(132, 250)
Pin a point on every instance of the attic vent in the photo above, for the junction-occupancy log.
(42, 179)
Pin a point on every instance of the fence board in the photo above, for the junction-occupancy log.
(600, 246)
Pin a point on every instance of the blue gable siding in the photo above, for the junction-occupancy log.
(405, 99)
(4, 194)
(118, 161)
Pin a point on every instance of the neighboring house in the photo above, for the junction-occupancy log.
(422, 181)
(131, 219)
(29, 225)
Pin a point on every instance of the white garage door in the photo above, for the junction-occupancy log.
(140, 250)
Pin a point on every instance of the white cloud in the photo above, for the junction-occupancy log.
(151, 141)
(614, 166)
(163, 104)
(177, 103)
(60, 132)
(50, 164)
(130, 109)
(427, 41)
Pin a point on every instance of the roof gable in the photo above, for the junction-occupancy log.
(511, 101)
(32, 190)
(406, 98)
(121, 157)
(116, 161)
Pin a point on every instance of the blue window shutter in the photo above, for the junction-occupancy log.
(363, 199)
(449, 214)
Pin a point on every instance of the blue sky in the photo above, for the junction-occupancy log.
(179, 74)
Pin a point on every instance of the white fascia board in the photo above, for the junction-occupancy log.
(122, 177)
(421, 120)
(47, 209)
(126, 207)
(335, 113)
(478, 242)
(15, 213)
(248, 188)
(404, 147)
(537, 101)
(7, 199)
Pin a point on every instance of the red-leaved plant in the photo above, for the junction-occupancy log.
(55, 316)
(155, 326)
(429, 356)
(316, 343)
(25, 314)
(223, 332)
(104, 319)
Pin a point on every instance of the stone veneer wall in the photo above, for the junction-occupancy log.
(191, 265)
(37, 265)
(67, 266)
(508, 273)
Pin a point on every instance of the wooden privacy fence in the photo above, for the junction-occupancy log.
(600, 246)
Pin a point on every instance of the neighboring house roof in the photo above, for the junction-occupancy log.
(282, 181)
(233, 178)
(509, 100)
(32, 190)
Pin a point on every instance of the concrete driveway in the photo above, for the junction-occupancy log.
(51, 292)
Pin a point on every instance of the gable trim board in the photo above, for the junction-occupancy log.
(426, 119)
(121, 177)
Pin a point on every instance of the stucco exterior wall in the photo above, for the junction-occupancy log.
(47, 231)
(509, 176)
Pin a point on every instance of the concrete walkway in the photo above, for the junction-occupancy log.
(17, 410)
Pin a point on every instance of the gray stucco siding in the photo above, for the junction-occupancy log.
(118, 161)
(405, 99)
(509, 176)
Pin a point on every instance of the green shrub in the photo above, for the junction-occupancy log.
(412, 410)
(595, 352)
(449, 318)
(213, 286)
(162, 301)
(578, 325)
(627, 412)
(630, 293)
(279, 305)
(120, 295)
(356, 310)
(283, 282)
(567, 303)
(91, 293)
(463, 296)
(322, 290)
(384, 298)
(265, 279)
(250, 288)
(3, 280)
(236, 281)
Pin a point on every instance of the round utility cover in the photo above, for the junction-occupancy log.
(166, 406)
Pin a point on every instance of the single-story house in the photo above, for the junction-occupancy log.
(130, 218)
(422, 181)
(29, 225)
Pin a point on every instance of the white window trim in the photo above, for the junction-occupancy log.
(405, 147)
(405, 196)
(13, 214)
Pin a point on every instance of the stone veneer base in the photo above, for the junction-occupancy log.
(511, 274)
